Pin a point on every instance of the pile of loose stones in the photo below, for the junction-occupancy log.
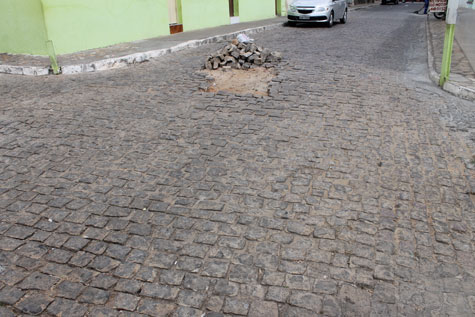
(242, 56)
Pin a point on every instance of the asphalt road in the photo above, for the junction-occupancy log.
(346, 192)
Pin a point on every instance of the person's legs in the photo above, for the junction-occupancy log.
(426, 6)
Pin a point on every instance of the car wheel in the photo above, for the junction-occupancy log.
(344, 18)
(330, 20)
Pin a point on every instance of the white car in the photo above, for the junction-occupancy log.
(317, 11)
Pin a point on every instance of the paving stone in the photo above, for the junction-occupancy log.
(33, 304)
(58, 256)
(195, 250)
(126, 270)
(81, 259)
(306, 300)
(300, 282)
(137, 256)
(117, 251)
(96, 247)
(331, 306)
(103, 281)
(10, 295)
(171, 277)
(273, 278)
(32, 250)
(187, 311)
(66, 307)
(38, 281)
(235, 306)
(162, 260)
(92, 295)
(325, 286)
(242, 274)
(266, 261)
(8, 244)
(214, 304)
(104, 312)
(159, 291)
(225, 288)
(352, 298)
(19, 232)
(263, 308)
(215, 268)
(125, 301)
(146, 273)
(6, 312)
(232, 242)
(278, 294)
(155, 307)
(104, 264)
(128, 286)
(68, 289)
(190, 298)
(298, 312)
(196, 283)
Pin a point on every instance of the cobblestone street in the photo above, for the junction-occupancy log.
(348, 191)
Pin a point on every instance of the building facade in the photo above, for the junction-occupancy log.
(76, 25)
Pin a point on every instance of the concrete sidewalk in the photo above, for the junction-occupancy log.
(464, 33)
(123, 54)
(462, 76)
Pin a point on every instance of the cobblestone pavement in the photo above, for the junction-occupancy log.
(346, 192)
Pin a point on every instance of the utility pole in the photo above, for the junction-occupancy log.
(451, 20)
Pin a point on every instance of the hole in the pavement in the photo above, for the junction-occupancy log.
(252, 81)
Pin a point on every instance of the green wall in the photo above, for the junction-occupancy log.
(199, 14)
(22, 30)
(75, 25)
(250, 10)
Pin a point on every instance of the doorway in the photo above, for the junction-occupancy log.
(278, 7)
(234, 11)
(174, 15)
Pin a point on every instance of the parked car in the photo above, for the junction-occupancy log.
(317, 11)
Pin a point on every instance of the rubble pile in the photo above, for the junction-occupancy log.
(242, 56)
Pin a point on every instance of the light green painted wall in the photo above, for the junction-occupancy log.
(22, 29)
(199, 14)
(75, 25)
(250, 10)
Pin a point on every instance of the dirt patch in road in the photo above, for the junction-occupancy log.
(251, 81)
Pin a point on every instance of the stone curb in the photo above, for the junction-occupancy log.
(449, 86)
(24, 70)
(123, 61)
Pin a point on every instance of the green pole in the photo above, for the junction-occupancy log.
(447, 55)
(450, 20)
(52, 57)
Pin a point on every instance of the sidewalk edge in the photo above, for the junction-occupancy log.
(449, 86)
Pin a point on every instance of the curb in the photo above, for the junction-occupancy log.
(449, 86)
(24, 70)
(123, 61)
